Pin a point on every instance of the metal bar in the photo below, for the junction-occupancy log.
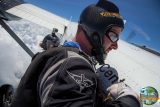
(16, 38)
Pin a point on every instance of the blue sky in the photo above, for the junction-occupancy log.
(143, 24)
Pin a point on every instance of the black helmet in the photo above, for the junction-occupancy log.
(55, 30)
(96, 20)
(50, 40)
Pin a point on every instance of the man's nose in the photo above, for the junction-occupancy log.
(114, 45)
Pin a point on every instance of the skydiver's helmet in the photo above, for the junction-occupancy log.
(55, 30)
(50, 42)
(96, 21)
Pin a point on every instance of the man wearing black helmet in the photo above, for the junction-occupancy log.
(101, 25)
(65, 76)
(51, 40)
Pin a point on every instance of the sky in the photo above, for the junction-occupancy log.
(142, 16)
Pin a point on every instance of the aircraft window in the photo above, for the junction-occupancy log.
(14, 60)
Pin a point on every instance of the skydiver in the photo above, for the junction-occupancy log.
(51, 40)
(65, 76)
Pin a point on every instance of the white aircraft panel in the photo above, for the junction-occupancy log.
(71, 30)
(39, 16)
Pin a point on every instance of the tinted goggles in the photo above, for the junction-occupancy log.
(112, 36)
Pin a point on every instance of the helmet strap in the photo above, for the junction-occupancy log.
(97, 49)
(97, 46)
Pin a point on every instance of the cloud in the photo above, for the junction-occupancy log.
(13, 59)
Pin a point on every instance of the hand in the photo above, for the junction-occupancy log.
(119, 90)
(107, 76)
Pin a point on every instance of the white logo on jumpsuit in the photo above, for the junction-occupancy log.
(81, 80)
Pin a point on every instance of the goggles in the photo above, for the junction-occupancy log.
(112, 36)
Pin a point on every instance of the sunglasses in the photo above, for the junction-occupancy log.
(112, 36)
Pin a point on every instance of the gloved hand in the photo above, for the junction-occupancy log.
(107, 76)
(119, 90)
(113, 89)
